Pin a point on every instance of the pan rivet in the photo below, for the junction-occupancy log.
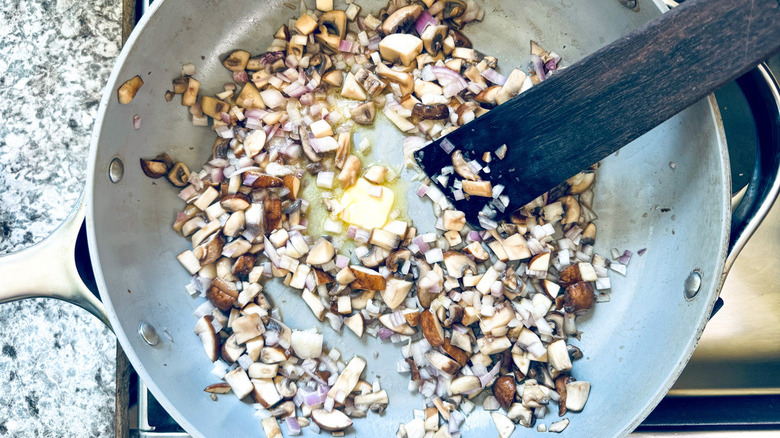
(116, 170)
(692, 284)
(148, 333)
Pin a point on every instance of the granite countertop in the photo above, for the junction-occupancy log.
(57, 362)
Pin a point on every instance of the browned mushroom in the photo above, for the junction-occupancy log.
(396, 259)
(402, 20)
(438, 111)
(127, 91)
(578, 297)
(433, 38)
(236, 61)
(453, 8)
(179, 174)
(462, 168)
(222, 294)
(334, 23)
(364, 113)
(154, 168)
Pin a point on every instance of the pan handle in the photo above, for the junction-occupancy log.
(49, 269)
(763, 96)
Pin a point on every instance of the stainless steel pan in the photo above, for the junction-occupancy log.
(635, 346)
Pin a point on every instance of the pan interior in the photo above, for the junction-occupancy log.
(634, 346)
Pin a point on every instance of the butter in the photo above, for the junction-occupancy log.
(363, 210)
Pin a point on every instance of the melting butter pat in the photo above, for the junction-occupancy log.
(363, 210)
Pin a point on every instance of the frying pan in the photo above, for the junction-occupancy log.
(634, 347)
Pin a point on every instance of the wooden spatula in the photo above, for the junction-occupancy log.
(589, 110)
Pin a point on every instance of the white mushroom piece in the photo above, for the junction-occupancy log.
(400, 48)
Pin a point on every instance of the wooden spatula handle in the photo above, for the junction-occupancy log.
(589, 110)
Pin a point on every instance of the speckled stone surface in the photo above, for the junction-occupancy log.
(57, 362)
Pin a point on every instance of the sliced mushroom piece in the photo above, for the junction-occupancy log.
(208, 336)
(478, 188)
(356, 324)
(127, 91)
(235, 202)
(576, 395)
(503, 424)
(442, 362)
(403, 79)
(218, 388)
(556, 321)
(273, 355)
(264, 181)
(464, 384)
(212, 248)
(462, 168)
(459, 39)
(395, 292)
(431, 328)
(454, 315)
(560, 388)
(572, 209)
(578, 297)
(464, 109)
(306, 344)
(437, 111)
(244, 265)
(539, 262)
(222, 294)
(179, 174)
(231, 350)
(433, 38)
(259, 370)
(190, 95)
(397, 259)
(322, 252)
(332, 421)
(589, 234)
(329, 40)
(488, 95)
(283, 410)
(364, 113)
(234, 224)
(400, 48)
(236, 61)
(347, 380)
(576, 273)
(272, 213)
(156, 168)
(367, 279)
(247, 327)
(239, 382)
(580, 182)
(352, 89)
(559, 426)
(403, 329)
(457, 263)
(558, 356)
(334, 77)
(334, 23)
(286, 387)
(375, 257)
(402, 20)
(264, 392)
(311, 154)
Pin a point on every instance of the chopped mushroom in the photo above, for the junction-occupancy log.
(364, 113)
(402, 20)
(400, 47)
(127, 91)
(334, 420)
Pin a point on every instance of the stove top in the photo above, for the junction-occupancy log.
(731, 386)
